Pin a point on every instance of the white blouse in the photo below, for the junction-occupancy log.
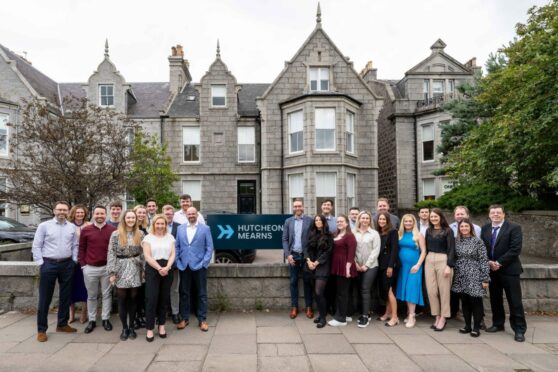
(161, 247)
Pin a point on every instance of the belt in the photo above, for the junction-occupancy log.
(123, 257)
(56, 260)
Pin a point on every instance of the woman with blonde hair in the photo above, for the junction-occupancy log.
(125, 268)
(78, 216)
(412, 251)
(143, 221)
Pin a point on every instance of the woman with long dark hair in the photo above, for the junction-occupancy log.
(318, 254)
(438, 267)
(389, 264)
(78, 216)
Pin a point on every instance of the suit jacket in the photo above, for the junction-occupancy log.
(197, 254)
(174, 229)
(289, 234)
(389, 250)
(507, 248)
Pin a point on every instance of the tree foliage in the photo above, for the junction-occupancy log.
(79, 157)
(514, 141)
(151, 175)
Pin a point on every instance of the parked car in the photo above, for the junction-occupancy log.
(12, 231)
(232, 256)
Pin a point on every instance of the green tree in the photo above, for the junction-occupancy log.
(151, 175)
(515, 141)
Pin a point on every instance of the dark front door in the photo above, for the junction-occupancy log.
(246, 197)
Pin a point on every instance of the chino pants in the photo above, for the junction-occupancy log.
(93, 276)
(50, 272)
(438, 285)
(174, 292)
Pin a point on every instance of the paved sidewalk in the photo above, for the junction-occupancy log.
(262, 341)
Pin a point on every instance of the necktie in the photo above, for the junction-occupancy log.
(493, 239)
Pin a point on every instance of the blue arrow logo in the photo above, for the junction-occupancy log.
(228, 232)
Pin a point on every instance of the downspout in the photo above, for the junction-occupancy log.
(259, 121)
(282, 164)
(416, 159)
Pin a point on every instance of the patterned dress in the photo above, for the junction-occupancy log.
(126, 262)
(471, 267)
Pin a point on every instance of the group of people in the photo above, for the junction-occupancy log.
(400, 260)
(151, 260)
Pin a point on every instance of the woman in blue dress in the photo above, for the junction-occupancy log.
(412, 252)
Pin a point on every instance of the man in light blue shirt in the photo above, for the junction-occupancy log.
(327, 207)
(55, 250)
(460, 213)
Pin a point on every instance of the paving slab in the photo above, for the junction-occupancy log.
(385, 357)
(419, 344)
(77, 357)
(452, 336)
(307, 326)
(23, 329)
(112, 362)
(231, 362)
(484, 357)
(336, 363)
(137, 346)
(233, 344)
(236, 323)
(290, 349)
(442, 363)
(189, 335)
(544, 333)
(10, 317)
(268, 350)
(6, 346)
(278, 335)
(327, 344)
(181, 353)
(274, 319)
(99, 336)
(547, 362)
(190, 366)
(56, 341)
(10, 362)
(368, 335)
(284, 363)
(504, 343)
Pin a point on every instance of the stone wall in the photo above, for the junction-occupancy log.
(256, 286)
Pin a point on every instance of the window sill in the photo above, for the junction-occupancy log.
(351, 154)
(294, 154)
(192, 162)
(325, 152)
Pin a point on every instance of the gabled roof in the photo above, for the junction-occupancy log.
(42, 84)
(247, 99)
(438, 50)
(151, 99)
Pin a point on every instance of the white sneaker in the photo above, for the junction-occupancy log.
(348, 319)
(335, 323)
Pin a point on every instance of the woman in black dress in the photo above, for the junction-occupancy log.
(318, 253)
(389, 263)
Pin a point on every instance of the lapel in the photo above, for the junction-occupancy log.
(503, 230)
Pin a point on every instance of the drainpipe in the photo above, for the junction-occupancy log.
(282, 164)
(416, 160)
(259, 122)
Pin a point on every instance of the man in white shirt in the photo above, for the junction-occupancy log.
(181, 216)
(460, 213)
(353, 214)
(423, 222)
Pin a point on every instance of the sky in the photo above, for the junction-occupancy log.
(65, 38)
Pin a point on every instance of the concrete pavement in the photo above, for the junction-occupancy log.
(271, 341)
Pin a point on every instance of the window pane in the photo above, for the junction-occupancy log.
(296, 186)
(428, 150)
(319, 78)
(351, 180)
(192, 188)
(246, 136)
(349, 131)
(326, 184)
(4, 134)
(428, 133)
(429, 188)
(191, 152)
(296, 126)
(438, 87)
(325, 139)
(218, 95)
(191, 135)
(325, 118)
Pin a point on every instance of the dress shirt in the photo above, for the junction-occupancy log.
(181, 218)
(476, 227)
(169, 227)
(423, 227)
(297, 246)
(56, 240)
(331, 223)
(499, 226)
(191, 232)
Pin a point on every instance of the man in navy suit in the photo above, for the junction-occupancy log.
(503, 242)
(194, 248)
(295, 237)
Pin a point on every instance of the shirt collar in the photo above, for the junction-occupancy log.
(56, 221)
(100, 227)
(498, 225)
(194, 225)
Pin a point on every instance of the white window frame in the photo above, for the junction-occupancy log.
(428, 139)
(323, 190)
(428, 183)
(350, 132)
(4, 120)
(451, 87)
(101, 95)
(319, 125)
(426, 89)
(318, 75)
(194, 189)
(191, 137)
(215, 88)
(297, 135)
(351, 190)
(438, 88)
(296, 186)
(246, 138)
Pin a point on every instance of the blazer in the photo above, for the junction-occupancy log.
(389, 250)
(195, 255)
(174, 229)
(289, 234)
(507, 247)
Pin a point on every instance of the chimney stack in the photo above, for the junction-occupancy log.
(179, 74)
(369, 73)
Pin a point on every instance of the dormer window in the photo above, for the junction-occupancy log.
(106, 95)
(219, 95)
(319, 79)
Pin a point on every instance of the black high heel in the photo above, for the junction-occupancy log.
(317, 320)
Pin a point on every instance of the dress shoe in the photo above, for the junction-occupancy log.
(204, 326)
(132, 334)
(65, 329)
(149, 339)
(465, 330)
(125, 333)
(309, 313)
(107, 325)
(317, 320)
(42, 337)
(519, 337)
(494, 329)
(182, 324)
(321, 324)
(294, 312)
(176, 318)
(475, 333)
(90, 327)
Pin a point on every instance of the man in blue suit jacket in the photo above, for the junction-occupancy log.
(194, 248)
(295, 238)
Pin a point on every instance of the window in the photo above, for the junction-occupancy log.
(426, 89)
(3, 187)
(130, 138)
(319, 79)
(191, 141)
(130, 201)
(350, 132)
(351, 184)
(4, 134)
(428, 142)
(451, 87)
(246, 144)
(326, 186)
(438, 88)
(193, 188)
(429, 189)
(296, 131)
(106, 95)
(296, 186)
(325, 129)
(218, 95)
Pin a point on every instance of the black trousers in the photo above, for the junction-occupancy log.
(50, 272)
(472, 308)
(342, 285)
(157, 295)
(454, 303)
(510, 284)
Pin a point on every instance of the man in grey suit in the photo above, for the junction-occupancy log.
(295, 237)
